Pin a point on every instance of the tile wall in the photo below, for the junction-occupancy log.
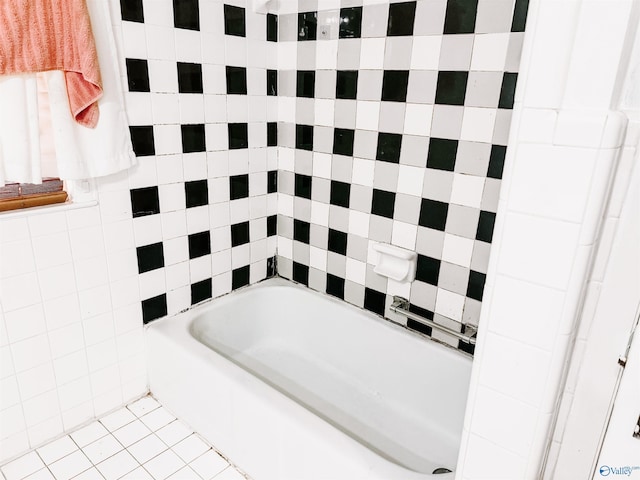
(394, 118)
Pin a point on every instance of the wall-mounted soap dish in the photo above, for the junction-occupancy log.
(395, 262)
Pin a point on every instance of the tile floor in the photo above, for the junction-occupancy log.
(141, 441)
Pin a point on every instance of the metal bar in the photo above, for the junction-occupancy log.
(401, 305)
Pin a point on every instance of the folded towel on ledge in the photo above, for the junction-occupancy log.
(44, 35)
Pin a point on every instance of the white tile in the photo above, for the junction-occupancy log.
(371, 53)
(324, 111)
(164, 465)
(417, 120)
(190, 448)
(102, 449)
(117, 419)
(70, 466)
(157, 419)
(138, 474)
(131, 433)
(457, 250)
(363, 172)
(16, 258)
(367, 115)
(449, 304)
(185, 473)
(36, 381)
(209, 464)
(174, 432)
(426, 52)
(322, 165)
(147, 448)
(19, 291)
(89, 434)
(467, 190)
(478, 124)
(30, 353)
(44, 474)
(25, 322)
(489, 52)
(359, 223)
(356, 271)
(318, 258)
(91, 474)
(57, 449)
(117, 465)
(51, 250)
(476, 466)
(404, 235)
(410, 180)
(23, 466)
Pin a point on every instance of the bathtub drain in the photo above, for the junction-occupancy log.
(440, 470)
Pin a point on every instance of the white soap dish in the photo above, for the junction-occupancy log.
(394, 262)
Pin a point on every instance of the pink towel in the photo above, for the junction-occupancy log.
(42, 35)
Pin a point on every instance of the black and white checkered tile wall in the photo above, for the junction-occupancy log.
(355, 121)
(203, 197)
(394, 124)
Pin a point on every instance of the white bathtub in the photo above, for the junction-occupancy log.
(294, 385)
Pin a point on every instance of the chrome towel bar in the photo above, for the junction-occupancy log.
(401, 305)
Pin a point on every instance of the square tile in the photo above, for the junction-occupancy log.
(186, 14)
(70, 466)
(164, 465)
(154, 308)
(137, 75)
(117, 419)
(147, 448)
(117, 466)
(433, 214)
(350, 22)
(401, 18)
(388, 147)
(131, 433)
(236, 80)
(209, 464)
(307, 25)
(142, 139)
(305, 83)
(102, 449)
(57, 449)
(89, 434)
(394, 85)
(383, 203)
(460, 16)
(22, 466)
(234, 21)
(132, 10)
(190, 448)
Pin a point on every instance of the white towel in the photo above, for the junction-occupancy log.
(80, 152)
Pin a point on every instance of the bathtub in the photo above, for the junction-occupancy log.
(291, 384)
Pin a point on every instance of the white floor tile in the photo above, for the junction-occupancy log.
(91, 474)
(147, 448)
(70, 466)
(190, 448)
(117, 466)
(43, 474)
(102, 449)
(138, 474)
(209, 465)
(57, 449)
(157, 419)
(185, 473)
(118, 419)
(230, 474)
(174, 432)
(164, 465)
(89, 434)
(23, 466)
(131, 433)
(143, 406)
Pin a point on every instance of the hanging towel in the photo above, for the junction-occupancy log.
(80, 152)
(44, 35)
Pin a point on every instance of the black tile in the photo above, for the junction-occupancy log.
(240, 277)
(272, 134)
(307, 25)
(466, 347)
(304, 137)
(343, 141)
(238, 136)
(442, 154)
(272, 181)
(340, 193)
(486, 222)
(142, 140)
(272, 269)
(189, 77)
(132, 11)
(475, 287)
(234, 21)
(300, 273)
(337, 241)
(239, 234)
(236, 80)
(519, 15)
(394, 85)
(433, 214)
(238, 186)
(150, 257)
(305, 83)
(186, 14)
(199, 244)
(496, 161)
(401, 19)
(428, 270)
(417, 326)
(196, 193)
(144, 201)
(383, 203)
(201, 291)
(302, 186)
(272, 27)
(335, 286)
(374, 301)
(508, 90)
(193, 139)
(347, 84)
(388, 149)
(460, 16)
(272, 225)
(138, 75)
(350, 22)
(272, 82)
(301, 231)
(153, 308)
(451, 88)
